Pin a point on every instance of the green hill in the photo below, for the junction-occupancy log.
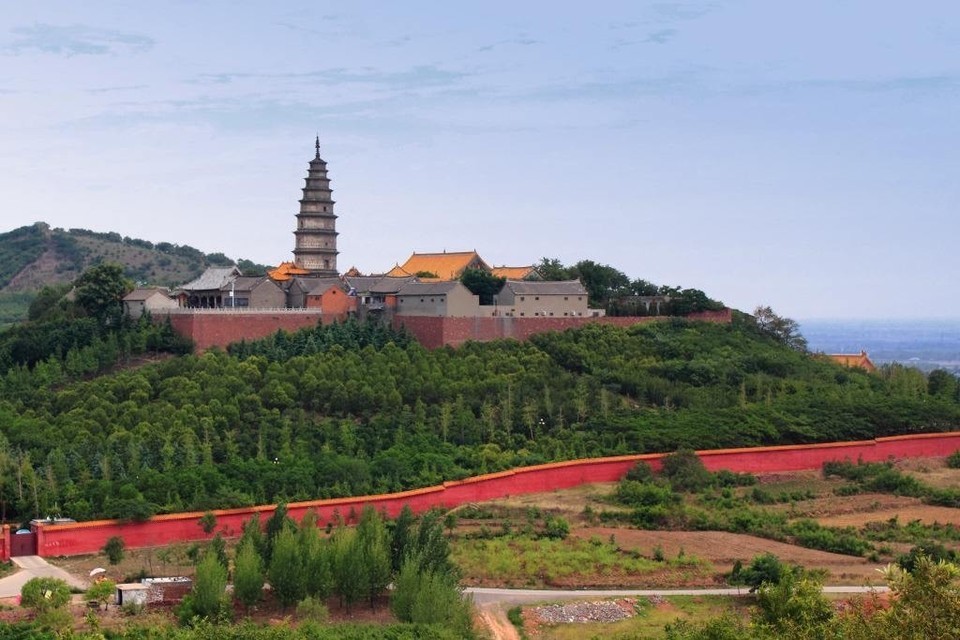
(36, 256)
(355, 408)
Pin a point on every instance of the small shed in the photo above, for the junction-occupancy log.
(132, 593)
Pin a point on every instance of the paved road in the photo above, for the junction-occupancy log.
(33, 567)
(485, 596)
(492, 603)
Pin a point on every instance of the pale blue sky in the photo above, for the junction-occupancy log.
(802, 155)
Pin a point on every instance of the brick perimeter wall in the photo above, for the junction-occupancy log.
(220, 329)
(4, 543)
(434, 332)
(89, 537)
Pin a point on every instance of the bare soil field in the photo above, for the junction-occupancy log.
(723, 549)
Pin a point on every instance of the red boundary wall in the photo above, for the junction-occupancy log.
(219, 329)
(437, 331)
(89, 537)
(4, 543)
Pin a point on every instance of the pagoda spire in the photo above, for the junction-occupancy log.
(315, 248)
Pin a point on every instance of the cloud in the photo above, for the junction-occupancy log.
(661, 37)
(522, 41)
(131, 87)
(74, 40)
(422, 76)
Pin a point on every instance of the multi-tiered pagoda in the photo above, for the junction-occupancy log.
(316, 233)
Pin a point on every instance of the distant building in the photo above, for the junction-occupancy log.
(449, 299)
(256, 292)
(443, 266)
(854, 360)
(147, 300)
(528, 298)
(516, 273)
(206, 291)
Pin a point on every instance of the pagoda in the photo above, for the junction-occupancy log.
(316, 234)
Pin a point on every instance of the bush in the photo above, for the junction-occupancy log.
(313, 610)
(101, 592)
(645, 494)
(556, 527)
(641, 472)
(685, 471)
(114, 549)
(953, 460)
(44, 594)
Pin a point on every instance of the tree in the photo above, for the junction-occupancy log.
(208, 522)
(44, 594)
(685, 471)
(482, 283)
(286, 569)
(206, 599)
(101, 591)
(248, 575)
(602, 282)
(374, 548)
(552, 269)
(783, 330)
(794, 607)
(99, 290)
(114, 549)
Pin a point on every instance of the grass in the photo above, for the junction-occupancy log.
(650, 619)
(533, 562)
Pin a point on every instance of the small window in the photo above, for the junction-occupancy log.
(579, 297)
(521, 313)
(522, 298)
(565, 298)
(551, 313)
(536, 297)
(431, 300)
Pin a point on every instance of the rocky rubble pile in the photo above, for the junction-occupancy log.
(584, 612)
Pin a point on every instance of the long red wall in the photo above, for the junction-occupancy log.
(4, 543)
(218, 329)
(435, 331)
(89, 537)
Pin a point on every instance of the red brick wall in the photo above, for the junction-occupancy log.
(433, 332)
(89, 537)
(4, 543)
(220, 329)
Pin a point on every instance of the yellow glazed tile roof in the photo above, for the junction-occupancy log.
(853, 360)
(285, 271)
(512, 273)
(446, 266)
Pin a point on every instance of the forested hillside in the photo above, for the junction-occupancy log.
(352, 408)
(37, 256)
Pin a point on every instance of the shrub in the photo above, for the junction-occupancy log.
(685, 471)
(313, 610)
(645, 494)
(640, 472)
(953, 460)
(101, 592)
(44, 594)
(114, 549)
(556, 527)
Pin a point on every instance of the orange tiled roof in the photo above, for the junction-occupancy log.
(447, 266)
(853, 360)
(285, 271)
(513, 273)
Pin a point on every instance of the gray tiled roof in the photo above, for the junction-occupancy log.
(139, 295)
(429, 288)
(212, 278)
(546, 288)
(391, 284)
(244, 283)
(319, 285)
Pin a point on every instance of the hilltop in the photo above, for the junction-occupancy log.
(37, 256)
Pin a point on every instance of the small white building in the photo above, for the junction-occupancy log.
(132, 593)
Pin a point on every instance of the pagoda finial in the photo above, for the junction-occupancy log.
(318, 146)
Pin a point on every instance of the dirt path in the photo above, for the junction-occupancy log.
(495, 619)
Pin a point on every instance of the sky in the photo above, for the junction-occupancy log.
(800, 155)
